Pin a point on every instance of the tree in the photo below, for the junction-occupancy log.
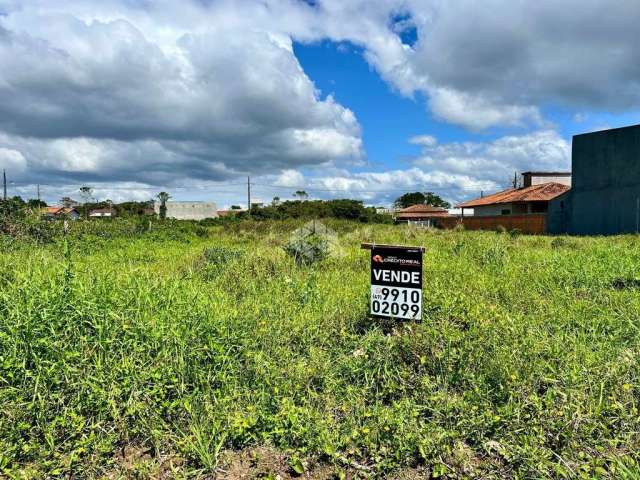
(236, 207)
(35, 203)
(435, 200)
(86, 192)
(301, 194)
(163, 197)
(275, 202)
(419, 198)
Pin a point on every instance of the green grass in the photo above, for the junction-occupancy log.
(202, 341)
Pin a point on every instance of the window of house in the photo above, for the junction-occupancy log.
(506, 211)
(539, 207)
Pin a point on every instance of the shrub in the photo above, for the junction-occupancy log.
(308, 250)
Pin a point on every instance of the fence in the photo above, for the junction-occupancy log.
(534, 223)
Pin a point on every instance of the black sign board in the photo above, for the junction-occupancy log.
(396, 282)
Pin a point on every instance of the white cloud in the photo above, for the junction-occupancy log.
(479, 113)
(12, 160)
(290, 178)
(155, 92)
(456, 171)
(426, 140)
(169, 92)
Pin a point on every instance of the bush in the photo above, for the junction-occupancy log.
(27, 225)
(308, 250)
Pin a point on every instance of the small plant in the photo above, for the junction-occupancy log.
(308, 250)
(494, 256)
(220, 256)
(561, 242)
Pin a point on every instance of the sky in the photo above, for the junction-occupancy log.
(340, 98)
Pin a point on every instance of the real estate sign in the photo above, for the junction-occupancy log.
(396, 282)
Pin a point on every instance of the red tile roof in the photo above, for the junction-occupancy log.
(59, 210)
(422, 211)
(420, 208)
(535, 193)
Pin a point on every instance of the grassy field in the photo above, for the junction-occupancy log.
(209, 352)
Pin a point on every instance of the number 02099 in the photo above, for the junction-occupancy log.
(396, 302)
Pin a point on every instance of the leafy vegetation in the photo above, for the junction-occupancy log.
(343, 209)
(131, 351)
(419, 198)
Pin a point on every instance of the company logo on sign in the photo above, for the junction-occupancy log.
(378, 259)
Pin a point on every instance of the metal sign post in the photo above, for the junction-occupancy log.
(396, 281)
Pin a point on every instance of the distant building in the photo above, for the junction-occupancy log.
(605, 196)
(62, 213)
(424, 215)
(102, 213)
(385, 211)
(188, 210)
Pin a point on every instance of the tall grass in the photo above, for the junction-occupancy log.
(191, 343)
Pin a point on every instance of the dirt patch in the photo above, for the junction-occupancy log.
(139, 462)
(269, 463)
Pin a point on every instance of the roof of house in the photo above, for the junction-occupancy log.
(423, 208)
(422, 211)
(535, 193)
(59, 210)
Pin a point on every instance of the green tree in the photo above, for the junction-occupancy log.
(419, 198)
(86, 192)
(163, 197)
(35, 203)
(301, 194)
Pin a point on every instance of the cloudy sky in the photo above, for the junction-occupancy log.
(341, 98)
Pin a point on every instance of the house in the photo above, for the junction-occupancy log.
(524, 208)
(61, 212)
(423, 215)
(188, 210)
(605, 195)
(516, 201)
(102, 213)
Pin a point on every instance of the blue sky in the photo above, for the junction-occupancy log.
(342, 98)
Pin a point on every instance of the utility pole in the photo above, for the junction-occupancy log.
(249, 194)
(515, 180)
(4, 184)
(38, 194)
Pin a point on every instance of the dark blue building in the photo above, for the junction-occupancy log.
(605, 193)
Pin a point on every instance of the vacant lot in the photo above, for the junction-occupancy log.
(208, 351)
